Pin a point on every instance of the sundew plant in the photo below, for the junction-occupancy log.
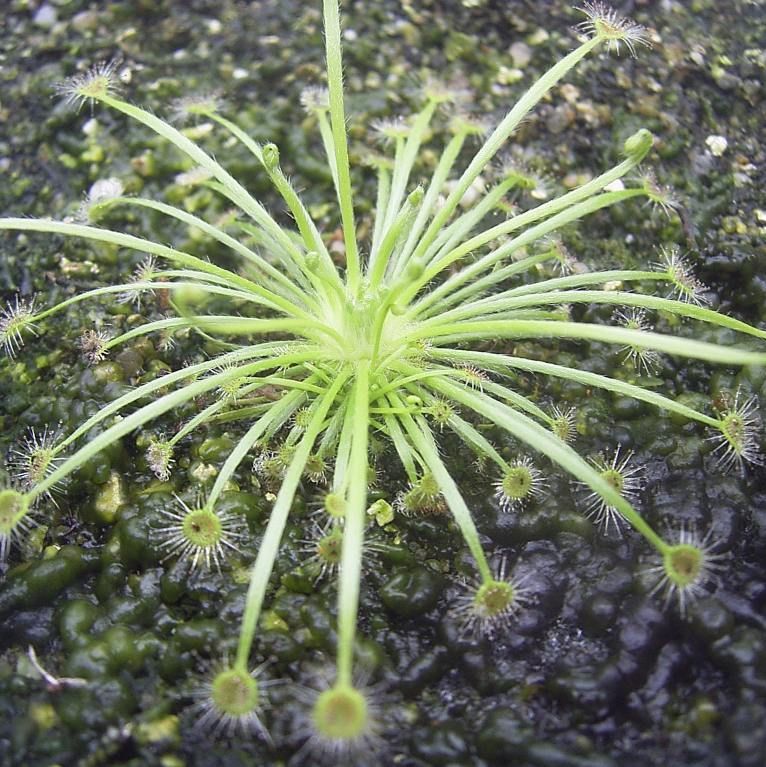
(331, 357)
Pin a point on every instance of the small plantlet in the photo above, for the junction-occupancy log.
(231, 387)
(340, 713)
(316, 99)
(96, 202)
(316, 469)
(473, 376)
(393, 129)
(660, 197)
(159, 457)
(94, 345)
(393, 349)
(302, 418)
(53, 683)
(189, 108)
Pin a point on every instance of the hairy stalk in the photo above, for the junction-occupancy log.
(500, 361)
(340, 146)
(422, 438)
(682, 347)
(353, 528)
(269, 547)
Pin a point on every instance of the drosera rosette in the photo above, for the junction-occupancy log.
(318, 349)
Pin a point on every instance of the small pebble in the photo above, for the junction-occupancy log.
(716, 144)
(46, 16)
(521, 53)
